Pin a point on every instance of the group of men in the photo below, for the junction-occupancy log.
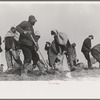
(59, 47)
(23, 38)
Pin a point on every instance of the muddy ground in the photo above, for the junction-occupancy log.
(78, 74)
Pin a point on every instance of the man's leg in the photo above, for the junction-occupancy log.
(9, 60)
(37, 62)
(71, 63)
(27, 56)
(18, 66)
(87, 56)
(18, 57)
(35, 56)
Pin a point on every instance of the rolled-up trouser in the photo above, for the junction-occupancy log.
(29, 54)
(87, 56)
(9, 59)
(95, 54)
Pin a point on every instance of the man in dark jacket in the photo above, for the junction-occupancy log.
(95, 51)
(86, 48)
(26, 43)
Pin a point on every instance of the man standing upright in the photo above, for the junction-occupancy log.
(26, 43)
(86, 48)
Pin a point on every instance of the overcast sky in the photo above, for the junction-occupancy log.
(77, 20)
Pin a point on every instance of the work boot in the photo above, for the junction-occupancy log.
(41, 67)
(9, 71)
(17, 71)
(27, 67)
(34, 66)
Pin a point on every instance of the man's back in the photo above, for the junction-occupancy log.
(86, 45)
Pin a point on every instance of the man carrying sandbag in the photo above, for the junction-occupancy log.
(62, 45)
(12, 50)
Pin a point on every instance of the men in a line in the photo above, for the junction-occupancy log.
(86, 48)
(95, 51)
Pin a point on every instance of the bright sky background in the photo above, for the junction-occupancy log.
(76, 19)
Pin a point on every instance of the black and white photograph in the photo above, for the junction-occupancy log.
(49, 41)
(49, 49)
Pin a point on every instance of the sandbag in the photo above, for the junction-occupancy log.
(63, 65)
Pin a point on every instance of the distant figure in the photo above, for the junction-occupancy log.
(95, 51)
(86, 48)
(72, 56)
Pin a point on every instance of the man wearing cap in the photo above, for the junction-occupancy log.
(86, 48)
(27, 45)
